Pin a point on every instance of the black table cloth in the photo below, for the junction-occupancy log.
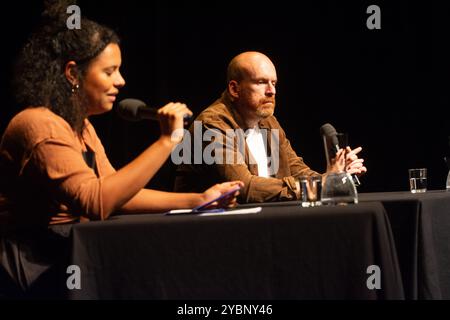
(421, 227)
(283, 252)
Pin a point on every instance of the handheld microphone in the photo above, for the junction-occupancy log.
(329, 131)
(136, 110)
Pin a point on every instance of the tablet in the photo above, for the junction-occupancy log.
(226, 194)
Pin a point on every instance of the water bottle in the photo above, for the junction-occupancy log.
(338, 189)
(448, 181)
(447, 161)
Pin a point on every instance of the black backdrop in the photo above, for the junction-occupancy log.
(388, 88)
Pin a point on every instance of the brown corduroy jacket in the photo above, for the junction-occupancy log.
(220, 118)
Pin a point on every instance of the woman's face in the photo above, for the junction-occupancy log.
(103, 80)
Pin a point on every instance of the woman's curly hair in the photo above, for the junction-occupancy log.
(40, 71)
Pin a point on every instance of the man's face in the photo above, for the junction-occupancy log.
(257, 89)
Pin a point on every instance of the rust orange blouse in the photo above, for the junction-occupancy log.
(44, 170)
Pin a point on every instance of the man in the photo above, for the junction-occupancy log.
(268, 168)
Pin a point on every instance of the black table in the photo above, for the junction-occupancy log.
(421, 227)
(283, 252)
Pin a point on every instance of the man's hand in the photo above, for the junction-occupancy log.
(353, 164)
(347, 159)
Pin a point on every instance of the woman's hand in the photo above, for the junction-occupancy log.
(220, 189)
(171, 121)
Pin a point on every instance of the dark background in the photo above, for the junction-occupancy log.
(388, 89)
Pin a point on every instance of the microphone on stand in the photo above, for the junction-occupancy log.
(329, 131)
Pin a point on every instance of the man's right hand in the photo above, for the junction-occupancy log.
(347, 160)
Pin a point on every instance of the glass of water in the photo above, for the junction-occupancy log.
(310, 190)
(418, 180)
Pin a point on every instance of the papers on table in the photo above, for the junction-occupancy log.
(215, 212)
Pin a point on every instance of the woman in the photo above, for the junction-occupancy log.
(67, 76)
(53, 166)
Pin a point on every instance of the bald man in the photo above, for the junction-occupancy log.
(249, 143)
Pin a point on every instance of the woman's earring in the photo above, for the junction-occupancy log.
(75, 88)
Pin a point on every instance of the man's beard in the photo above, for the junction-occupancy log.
(265, 111)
